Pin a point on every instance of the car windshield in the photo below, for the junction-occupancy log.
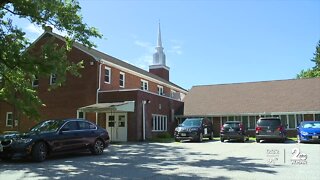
(269, 122)
(191, 123)
(47, 126)
(311, 125)
(232, 125)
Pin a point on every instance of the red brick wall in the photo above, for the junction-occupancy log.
(161, 72)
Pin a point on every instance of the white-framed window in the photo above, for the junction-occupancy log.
(252, 122)
(35, 82)
(144, 85)
(159, 122)
(9, 119)
(160, 90)
(122, 79)
(245, 121)
(53, 78)
(173, 92)
(81, 115)
(107, 75)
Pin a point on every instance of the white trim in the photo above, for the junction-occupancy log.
(8, 119)
(127, 90)
(159, 123)
(143, 85)
(109, 75)
(84, 115)
(162, 92)
(35, 85)
(124, 79)
(121, 68)
(51, 78)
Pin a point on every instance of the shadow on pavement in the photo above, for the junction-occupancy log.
(131, 161)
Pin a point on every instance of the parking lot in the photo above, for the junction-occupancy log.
(187, 160)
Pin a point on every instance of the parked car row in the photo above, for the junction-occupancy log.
(195, 129)
(54, 136)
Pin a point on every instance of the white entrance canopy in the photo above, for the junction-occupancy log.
(126, 106)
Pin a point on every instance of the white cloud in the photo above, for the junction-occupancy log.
(32, 28)
(146, 45)
(176, 47)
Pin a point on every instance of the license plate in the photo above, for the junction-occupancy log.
(183, 134)
(268, 131)
(315, 137)
(231, 130)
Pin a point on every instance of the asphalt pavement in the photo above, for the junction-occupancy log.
(187, 160)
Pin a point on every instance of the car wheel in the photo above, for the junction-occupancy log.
(98, 147)
(39, 152)
(200, 137)
(257, 140)
(244, 139)
(211, 136)
(221, 139)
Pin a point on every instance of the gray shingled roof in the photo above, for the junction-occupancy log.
(298, 95)
(100, 55)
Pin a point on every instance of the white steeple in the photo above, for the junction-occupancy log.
(159, 58)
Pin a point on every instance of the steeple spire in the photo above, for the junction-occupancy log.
(159, 58)
(159, 43)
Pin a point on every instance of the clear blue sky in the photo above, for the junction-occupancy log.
(210, 42)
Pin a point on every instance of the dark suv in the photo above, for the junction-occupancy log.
(194, 129)
(233, 130)
(270, 129)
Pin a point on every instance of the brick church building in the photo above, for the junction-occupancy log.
(131, 103)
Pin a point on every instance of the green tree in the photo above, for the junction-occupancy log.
(315, 71)
(19, 66)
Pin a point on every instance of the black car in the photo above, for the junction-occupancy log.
(270, 129)
(233, 130)
(194, 129)
(53, 136)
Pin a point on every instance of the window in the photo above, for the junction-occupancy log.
(86, 125)
(237, 118)
(245, 122)
(107, 75)
(299, 118)
(9, 119)
(80, 115)
(122, 79)
(159, 123)
(252, 122)
(70, 126)
(224, 119)
(173, 92)
(53, 78)
(160, 90)
(230, 118)
(284, 120)
(35, 82)
(144, 85)
(317, 117)
(292, 123)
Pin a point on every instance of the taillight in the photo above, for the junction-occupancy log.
(258, 128)
(221, 128)
(280, 128)
(241, 127)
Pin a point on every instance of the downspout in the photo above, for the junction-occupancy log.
(99, 88)
(144, 120)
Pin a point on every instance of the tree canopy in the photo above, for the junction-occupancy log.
(314, 71)
(19, 67)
